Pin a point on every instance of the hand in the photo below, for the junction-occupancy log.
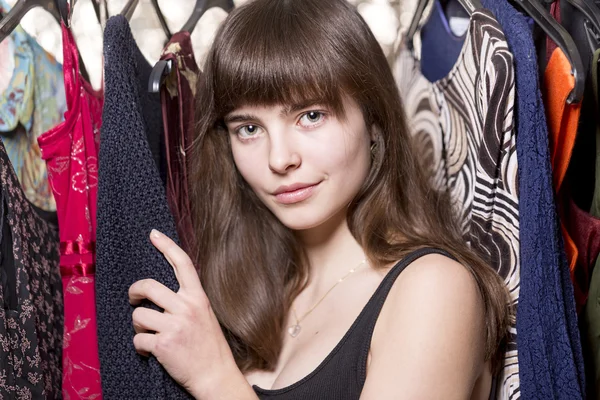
(187, 338)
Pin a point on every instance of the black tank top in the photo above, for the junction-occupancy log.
(341, 375)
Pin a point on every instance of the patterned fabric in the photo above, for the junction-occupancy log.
(33, 103)
(31, 328)
(463, 127)
(178, 101)
(7, 67)
(548, 343)
(71, 153)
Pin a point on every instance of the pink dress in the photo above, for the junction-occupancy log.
(71, 154)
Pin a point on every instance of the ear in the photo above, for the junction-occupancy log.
(375, 133)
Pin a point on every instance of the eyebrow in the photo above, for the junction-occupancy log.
(300, 106)
(240, 118)
(286, 111)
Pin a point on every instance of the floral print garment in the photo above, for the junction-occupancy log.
(71, 153)
(33, 103)
(31, 316)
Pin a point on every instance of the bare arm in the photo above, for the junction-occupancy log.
(430, 337)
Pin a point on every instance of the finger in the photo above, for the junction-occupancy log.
(144, 343)
(157, 293)
(182, 264)
(148, 320)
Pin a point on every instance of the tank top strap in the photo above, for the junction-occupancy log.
(370, 314)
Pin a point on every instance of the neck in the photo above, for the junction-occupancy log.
(332, 251)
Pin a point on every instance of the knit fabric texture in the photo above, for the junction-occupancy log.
(131, 202)
(548, 342)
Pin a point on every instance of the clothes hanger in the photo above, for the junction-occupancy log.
(589, 10)
(468, 5)
(201, 7)
(563, 40)
(128, 9)
(100, 10)
(589, 14)
(130, 6)
(61, 10)
(163, 68)
(161, 18)
(58, 8)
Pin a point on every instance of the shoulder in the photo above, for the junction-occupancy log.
(437, 274)
(431, 291)
(431, 329)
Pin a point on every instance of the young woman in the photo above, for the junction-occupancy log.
(328, 267)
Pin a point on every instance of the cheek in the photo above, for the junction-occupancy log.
(343, 154)
(245, 163)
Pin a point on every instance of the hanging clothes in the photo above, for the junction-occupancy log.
(562, 117)
(463, 127)
(591, 313)
(71, 153)
(31, 316)
(131, 202)
(581, 168)
(550, 45)
(546, 317)
(438, 59)
(33, 102)
(563, 120)
(178, 106)
(7, 68)
(595, 207)
(576, 196)
(584, 231)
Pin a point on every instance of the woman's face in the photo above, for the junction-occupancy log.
(305, 164)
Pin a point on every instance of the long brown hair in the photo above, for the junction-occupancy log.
(270, 52)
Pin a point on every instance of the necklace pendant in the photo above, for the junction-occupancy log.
(294, 330)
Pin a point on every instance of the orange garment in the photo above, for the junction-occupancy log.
(563, 119)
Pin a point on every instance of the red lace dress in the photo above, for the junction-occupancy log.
(71, 153)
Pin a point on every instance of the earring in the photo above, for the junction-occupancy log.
(373, 148)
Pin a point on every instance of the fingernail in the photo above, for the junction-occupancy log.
(155, 234)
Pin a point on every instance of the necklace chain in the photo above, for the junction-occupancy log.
(295, 330)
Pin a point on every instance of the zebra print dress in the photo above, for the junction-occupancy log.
(463, 128)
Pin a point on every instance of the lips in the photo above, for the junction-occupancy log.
(295, 193)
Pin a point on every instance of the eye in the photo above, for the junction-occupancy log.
(311, 118)
(248, 131)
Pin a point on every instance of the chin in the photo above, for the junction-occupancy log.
(305, 217)
(299, 221)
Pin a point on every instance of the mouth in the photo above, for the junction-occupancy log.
(295, 193)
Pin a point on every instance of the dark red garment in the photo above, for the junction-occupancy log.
(71, 154)
(177, 99)
(550, 45)
(584, 230)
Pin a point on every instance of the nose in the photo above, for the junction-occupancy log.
(283, 153)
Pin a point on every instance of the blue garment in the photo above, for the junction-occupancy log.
(550, 357)
(33, 103)
(440, 48)
(131, 202)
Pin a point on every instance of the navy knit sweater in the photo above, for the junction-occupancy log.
(131, 202)
(550, 358)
